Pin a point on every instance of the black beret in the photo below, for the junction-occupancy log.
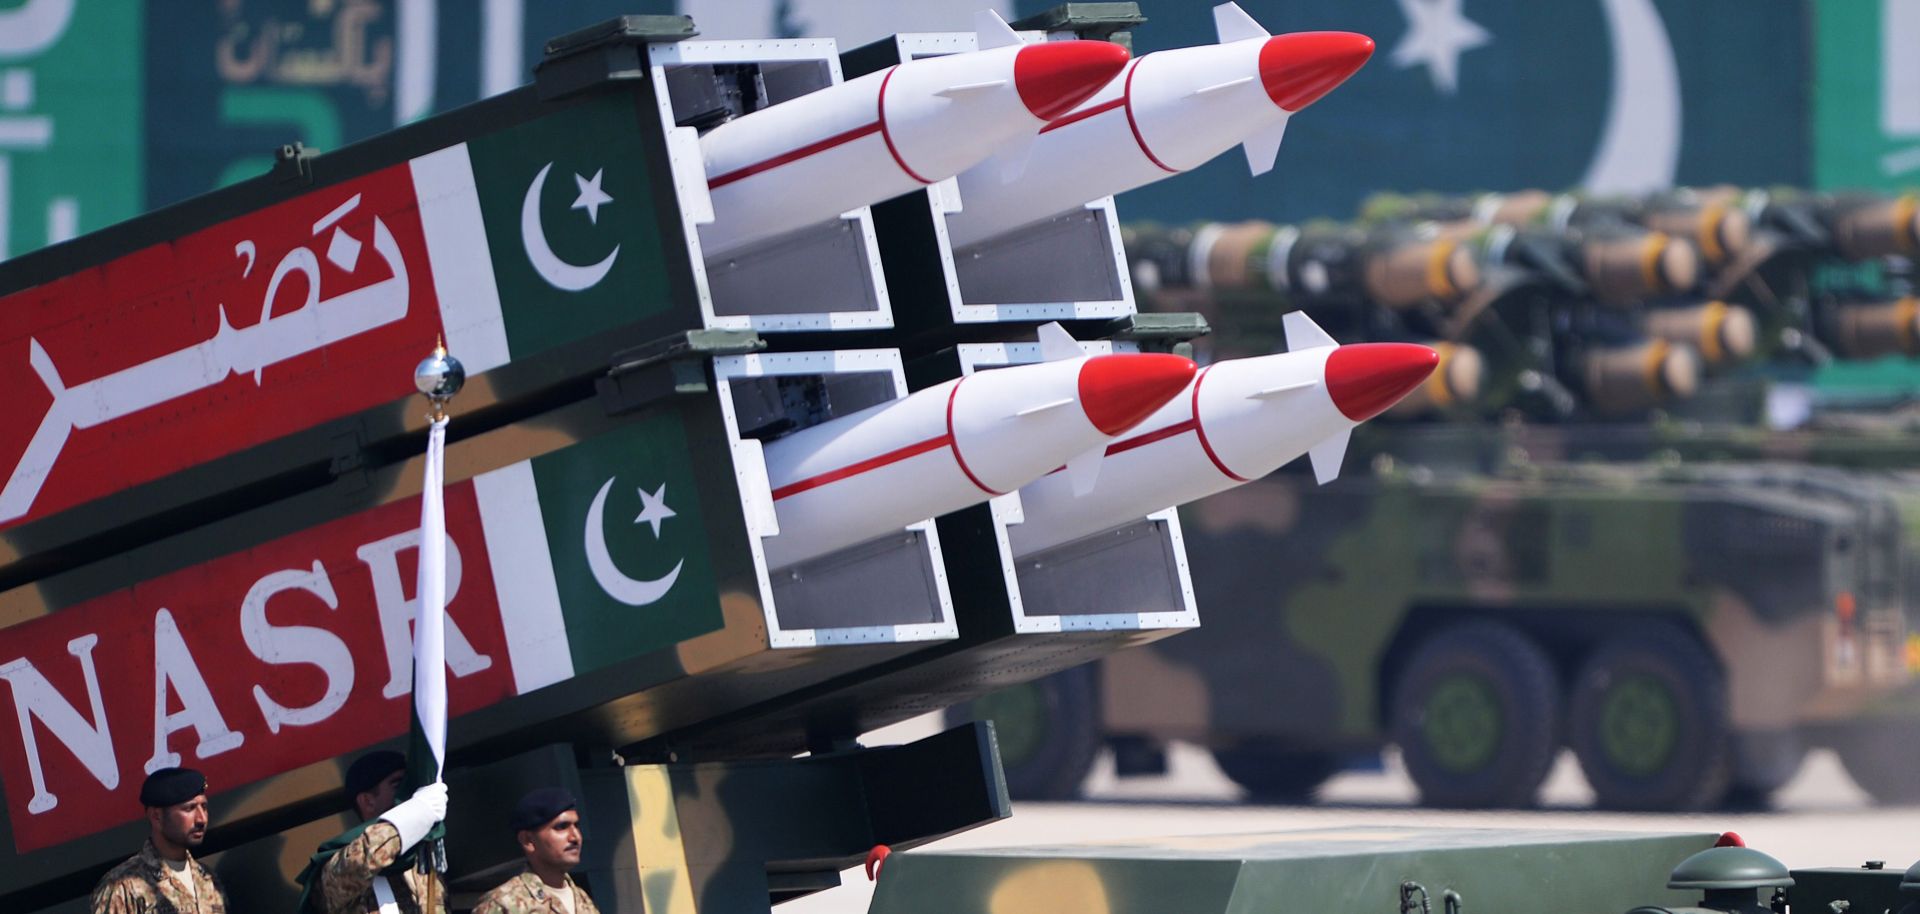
(539, 807)
(369, 770)
(171, 787)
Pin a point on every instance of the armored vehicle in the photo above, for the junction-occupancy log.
(1654, 507)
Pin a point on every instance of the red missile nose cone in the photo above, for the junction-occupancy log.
(1300, 67)
(1054, 77)
(1118, 391)
(1366, 378)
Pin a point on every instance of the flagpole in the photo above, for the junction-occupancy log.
(438, 377)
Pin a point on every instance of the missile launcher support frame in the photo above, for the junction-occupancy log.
(650, 361)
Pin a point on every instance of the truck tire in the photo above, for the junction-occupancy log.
(1648, 720)
(1274, 774)
(1048, 731)
(1476, 716)
(1763, 762)
(1879, 755)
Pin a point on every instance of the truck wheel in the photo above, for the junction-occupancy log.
(1879, 754)
(1476, 716)
(1048, 733)
(1763, 762)
(1272, 774)
(1648, 721)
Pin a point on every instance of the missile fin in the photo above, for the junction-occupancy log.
(755, 488)
(1328, 454)
(1014, 156)
(1267, 393)
(1303, 333)
(1043, 407)
(1220, 87)
(1232, 23)
(1263, 147)
(992, 31)
(971, 88)
(1084, 470)
(1057, 344)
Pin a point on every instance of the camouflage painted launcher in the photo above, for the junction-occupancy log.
(1560, 306)
(1374, 868)
(214, 474)
(1386, 869)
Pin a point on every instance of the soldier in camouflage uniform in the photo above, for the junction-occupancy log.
(354, 873)
(547, 828)
(164, 878)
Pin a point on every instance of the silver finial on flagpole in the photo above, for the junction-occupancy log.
(439, 377)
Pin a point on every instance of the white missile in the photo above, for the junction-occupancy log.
(1238, 421)
(862, 476)
(809, 159)
(1167, 112)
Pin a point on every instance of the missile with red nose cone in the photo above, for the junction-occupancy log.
(1167, 112)
(1238, 421)
(864, 475)
(869, 139)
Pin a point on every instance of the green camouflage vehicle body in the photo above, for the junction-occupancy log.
(1407, 869)
(1326, 869)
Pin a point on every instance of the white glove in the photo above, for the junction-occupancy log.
(413, 817)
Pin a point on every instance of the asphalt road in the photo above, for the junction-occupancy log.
(1818, 819)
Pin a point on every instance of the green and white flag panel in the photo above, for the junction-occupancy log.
(599, 552)
(544, 233)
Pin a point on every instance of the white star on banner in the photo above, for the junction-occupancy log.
(591, 196)
(654, 509)
(1437, 32)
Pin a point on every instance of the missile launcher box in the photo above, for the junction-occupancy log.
(1130, 579)
(210, 527)
(1071, 268)
(823, 277)
(1016, 622)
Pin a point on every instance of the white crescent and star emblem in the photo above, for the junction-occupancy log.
(559, 273)
(627, 590)
(1437, 31)
(1639, 148)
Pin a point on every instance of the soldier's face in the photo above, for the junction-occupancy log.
(380, 799)
(555, 845)
(182, 824)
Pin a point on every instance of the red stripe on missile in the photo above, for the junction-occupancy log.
(837, 139)
(871, 463)
(882, 105)
(1201, 431)
(891, 457)
(957, 458)
(1178, 428)
(1126, 100)
(1078, 116)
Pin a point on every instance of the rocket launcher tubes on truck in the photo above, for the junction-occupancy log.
(1167, 112)
(884, 134)
(1238, 421)
(959, 443)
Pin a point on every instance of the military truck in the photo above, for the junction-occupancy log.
(1624, 517)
